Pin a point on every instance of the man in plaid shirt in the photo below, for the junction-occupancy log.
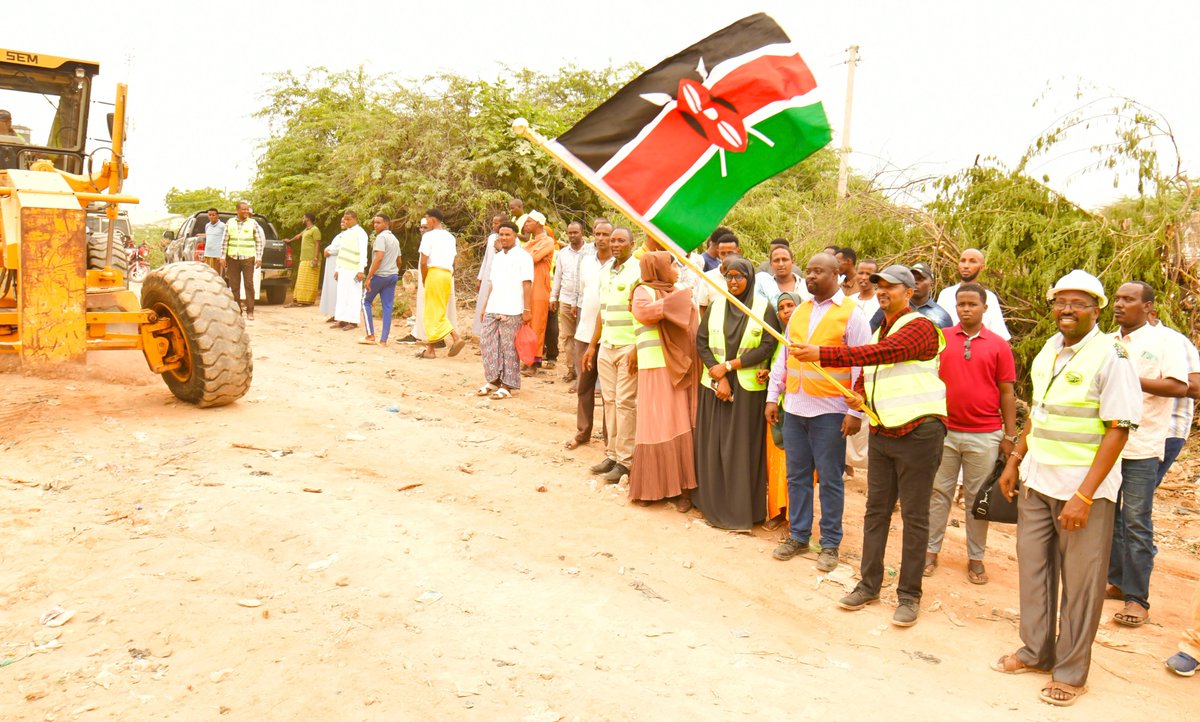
(900, 384)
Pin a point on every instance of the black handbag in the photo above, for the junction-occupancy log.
(990, 504)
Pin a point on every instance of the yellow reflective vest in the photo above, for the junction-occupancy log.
(1066, 426)
(615, 310)
(901, 392)
(751, 339)
(239, 238)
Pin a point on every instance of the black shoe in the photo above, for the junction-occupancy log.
(408, 339)
(603, 467)
(614, 476)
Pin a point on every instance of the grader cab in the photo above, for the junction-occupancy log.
(61, 297)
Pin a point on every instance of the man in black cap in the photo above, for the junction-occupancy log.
(922, 299)
(900, 384)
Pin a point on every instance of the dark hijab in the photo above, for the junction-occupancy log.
(735, 318)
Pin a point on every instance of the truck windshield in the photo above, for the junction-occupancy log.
(42, 108)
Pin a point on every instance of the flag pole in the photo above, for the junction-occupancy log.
(520, 127)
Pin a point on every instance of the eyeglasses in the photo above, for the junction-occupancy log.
(967, 350)
(1071, 305)
(734, 276)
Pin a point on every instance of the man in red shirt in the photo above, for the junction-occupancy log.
(900, 383)
(981, 421)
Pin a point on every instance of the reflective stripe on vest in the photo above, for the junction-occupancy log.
(615, 289)
(899, 393)
(349, 254)
(830, 331)
(751, 339)
(1067, 428)
(649, 347)
(240, 241)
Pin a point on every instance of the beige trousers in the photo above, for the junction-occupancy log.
(618, 389)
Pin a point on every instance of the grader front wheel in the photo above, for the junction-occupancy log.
(207, 334)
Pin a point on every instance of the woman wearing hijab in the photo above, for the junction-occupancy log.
(664, 463)
(731, 467)
(777, 489)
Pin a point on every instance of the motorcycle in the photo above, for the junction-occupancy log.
(139, 261)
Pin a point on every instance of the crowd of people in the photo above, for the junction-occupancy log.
(744, 394)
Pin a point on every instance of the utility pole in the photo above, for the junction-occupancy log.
(844, 166)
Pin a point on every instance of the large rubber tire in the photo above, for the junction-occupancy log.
(276, 294)
(221, 365)
(98, 248)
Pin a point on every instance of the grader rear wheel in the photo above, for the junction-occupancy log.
(217, 364)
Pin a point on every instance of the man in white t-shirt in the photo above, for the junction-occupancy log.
(437, 251)
(505, 308)
(1184, 410)
(970, 265)
(485, 270)
(1163, 372)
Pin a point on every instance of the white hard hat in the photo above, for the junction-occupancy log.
(1078, 280)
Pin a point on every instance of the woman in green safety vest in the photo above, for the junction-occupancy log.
(664, 453)
(731, 466)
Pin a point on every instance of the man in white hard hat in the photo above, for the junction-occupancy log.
(1086, 399)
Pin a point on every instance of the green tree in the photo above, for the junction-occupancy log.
(187, 202)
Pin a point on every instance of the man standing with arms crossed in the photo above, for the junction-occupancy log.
(1163, 372)
(1086, 398)
(816, 419)
(900, 384)
(243, 244)
(978, 370)
(613, 351)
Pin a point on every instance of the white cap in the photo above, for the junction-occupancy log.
(537, 216)
(1078, 280)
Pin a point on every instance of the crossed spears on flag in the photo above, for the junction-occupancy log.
(650, 154)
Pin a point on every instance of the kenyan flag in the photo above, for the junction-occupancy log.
(688, 138)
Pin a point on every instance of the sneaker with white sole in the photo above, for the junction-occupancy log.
(1182, 664)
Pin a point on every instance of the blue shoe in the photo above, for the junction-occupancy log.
(1182, 664)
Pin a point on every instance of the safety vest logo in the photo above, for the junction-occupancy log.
(1074, 378)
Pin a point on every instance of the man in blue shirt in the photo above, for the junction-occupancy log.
(214, 242)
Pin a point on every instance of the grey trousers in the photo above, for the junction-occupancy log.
(975, 454)
(1053, 561)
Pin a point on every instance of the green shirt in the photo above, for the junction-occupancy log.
(310, 239)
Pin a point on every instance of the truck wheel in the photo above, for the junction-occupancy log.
(212, 344)
(276, 294)
(98, 247)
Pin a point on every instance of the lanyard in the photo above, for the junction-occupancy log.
(1066, 366)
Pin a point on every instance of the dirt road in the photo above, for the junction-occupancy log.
(380, 565)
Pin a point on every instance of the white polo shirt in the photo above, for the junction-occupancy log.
(1184, 409)
(1155, 355)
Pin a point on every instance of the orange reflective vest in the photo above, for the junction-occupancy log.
(830, 331)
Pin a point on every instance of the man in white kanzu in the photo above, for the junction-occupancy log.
(352, 245)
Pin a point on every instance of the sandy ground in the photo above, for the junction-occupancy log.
(405, 565)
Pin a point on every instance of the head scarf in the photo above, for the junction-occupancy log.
(795, 298)
(746, 268)
(736, 319)
(677, 329)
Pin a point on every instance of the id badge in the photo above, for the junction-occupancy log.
(1039, 413)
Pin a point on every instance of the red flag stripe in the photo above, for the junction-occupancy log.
(673, 147)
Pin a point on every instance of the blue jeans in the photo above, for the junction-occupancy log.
(1171, 450)
(1133, 550)
(385, 288)
(815, 443)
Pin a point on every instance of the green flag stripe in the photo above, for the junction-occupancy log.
(701, 203)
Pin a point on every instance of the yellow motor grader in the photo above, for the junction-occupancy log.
(62, 295)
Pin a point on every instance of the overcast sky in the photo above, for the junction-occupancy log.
(939, 82)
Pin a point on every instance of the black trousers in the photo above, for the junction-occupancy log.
(239, 271)
(900, 468)
(550, 345)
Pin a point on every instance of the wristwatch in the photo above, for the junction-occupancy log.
(727, 366)
(1012, 439)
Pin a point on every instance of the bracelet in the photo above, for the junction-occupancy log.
(1017, 454)
(1085, 499)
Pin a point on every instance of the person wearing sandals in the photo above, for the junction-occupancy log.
(380, 280)
(816, 418)
(664, 446)
(504, 308)
(1086, 398)
(437, 269)
(981, 423)
(1162, 368)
